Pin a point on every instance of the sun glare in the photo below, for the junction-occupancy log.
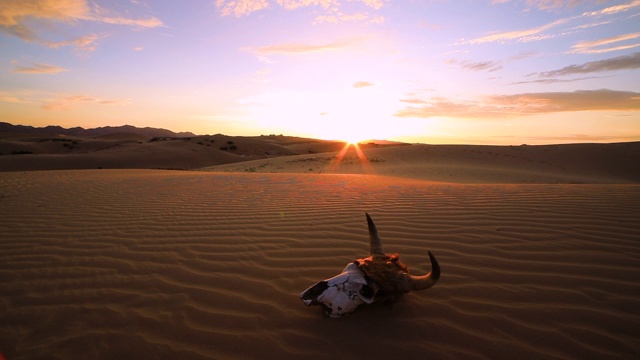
(353, 140)
(351, 151)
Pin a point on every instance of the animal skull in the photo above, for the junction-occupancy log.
(341, 294)
(377, 278)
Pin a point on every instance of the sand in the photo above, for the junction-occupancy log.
(106, 264)
(615, 163)
(28, 152)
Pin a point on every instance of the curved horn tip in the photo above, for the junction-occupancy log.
(374, 238)
(427, 281)
(435, 267)
(371, 225)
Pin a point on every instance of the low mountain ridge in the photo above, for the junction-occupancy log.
(99, 131)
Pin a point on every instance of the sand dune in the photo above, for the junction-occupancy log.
(574, 163)
(570, 163)
(29, 152)
(106, 264)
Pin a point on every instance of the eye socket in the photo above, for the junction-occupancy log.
(313, 292)
(367, 293)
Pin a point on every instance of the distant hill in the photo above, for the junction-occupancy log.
(100, 131)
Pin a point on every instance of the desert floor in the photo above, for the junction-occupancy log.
(125, 264)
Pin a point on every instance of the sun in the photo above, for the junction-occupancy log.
(353, 140)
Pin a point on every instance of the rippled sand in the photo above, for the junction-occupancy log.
(107, 264)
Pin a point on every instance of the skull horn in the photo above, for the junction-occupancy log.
(374, 238)
(427, 281)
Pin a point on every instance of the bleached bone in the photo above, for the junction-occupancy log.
(377, 278)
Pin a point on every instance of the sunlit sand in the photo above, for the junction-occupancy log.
(360, 160)
(108, 264)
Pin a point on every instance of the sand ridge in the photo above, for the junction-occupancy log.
(615, 163)
(568, 164)
(195, 265)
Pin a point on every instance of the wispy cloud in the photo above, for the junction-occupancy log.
(519, 35)
(107, 16)
(26, 19)
(68, 102)
(499, 106)
(362, 84)
(39, 68)
(553, 4)
(595, 46)
(83, 43)
(146, 23)
(423, 24)
(15, 13)
(489, 66)
(332, 8)
(29, 97)
(264, 52)
(12, 97)
(625, 62)
(240, 7)
(615, 9)
(295, 48)
(541, 32)
(546, 4)
(555, 80)
(338, 17)
(53, 101)
(524, 55)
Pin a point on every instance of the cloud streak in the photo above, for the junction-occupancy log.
(614, 9)
(501, 106)
(263, 52)
(332, 8)
(25, 19)
(557, 4)
(69, 102)
(625, 62)
(39, 69)
(338, 17)
(538, 33)
(53, 101)
(595, 47)
(553, 4)
(519, 35)
(83, 43)
(15, 13)
(362, 84)
(489, 66)
(294, 48)
(554, 80)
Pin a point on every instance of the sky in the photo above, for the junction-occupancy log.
(429, 71)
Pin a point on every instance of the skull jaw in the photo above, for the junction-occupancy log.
(341, 294)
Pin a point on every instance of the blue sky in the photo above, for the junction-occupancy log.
(431, 71)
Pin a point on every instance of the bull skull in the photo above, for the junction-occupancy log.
(377, 278)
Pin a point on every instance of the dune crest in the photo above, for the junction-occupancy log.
(475, 164)
(614, 163)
